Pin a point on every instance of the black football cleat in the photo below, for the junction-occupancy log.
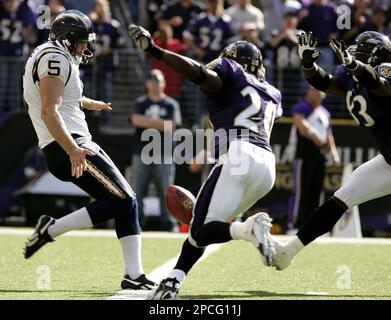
(40, 236)
(140, 283)
(167, 289)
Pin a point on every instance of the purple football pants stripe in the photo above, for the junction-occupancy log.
(203, 200)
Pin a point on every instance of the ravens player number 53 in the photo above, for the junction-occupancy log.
(364, 79)
(53, 94)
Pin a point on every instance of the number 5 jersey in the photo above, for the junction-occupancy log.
(49, 60)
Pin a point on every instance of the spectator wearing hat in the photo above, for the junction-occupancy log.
(158, 113)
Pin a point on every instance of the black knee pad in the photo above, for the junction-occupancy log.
(127, 221)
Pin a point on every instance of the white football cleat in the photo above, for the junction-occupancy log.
(261, 237)
(167, 289)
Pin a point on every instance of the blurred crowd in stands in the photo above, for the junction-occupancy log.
(200, 29)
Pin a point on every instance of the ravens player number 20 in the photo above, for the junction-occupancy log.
(53, 95)
(364, 78)
(239, 99)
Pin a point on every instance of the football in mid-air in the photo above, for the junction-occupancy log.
(180, 203)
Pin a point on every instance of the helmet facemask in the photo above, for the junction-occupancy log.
(87, 54)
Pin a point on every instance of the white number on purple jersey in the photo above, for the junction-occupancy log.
(11, 30)
(357, 107)
(244, 119)
(211, 38)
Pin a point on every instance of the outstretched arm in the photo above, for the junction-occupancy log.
(184, 66)
(364, 73)
(314, 74)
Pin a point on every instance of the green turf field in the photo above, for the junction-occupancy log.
(91, 268)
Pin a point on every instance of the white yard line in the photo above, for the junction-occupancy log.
(157, 275)
(174, 235)
(320, 293)
(331, 240)
(92, 233)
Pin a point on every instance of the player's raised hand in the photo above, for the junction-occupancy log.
(78, 161)
(141, 37)
(341, 52)
(307, 49)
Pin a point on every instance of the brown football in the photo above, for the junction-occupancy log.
(180, 203)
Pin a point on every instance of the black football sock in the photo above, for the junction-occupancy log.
(189, 256)
(322, 220)
(213, 232)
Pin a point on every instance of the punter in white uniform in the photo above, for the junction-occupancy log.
(53, 94)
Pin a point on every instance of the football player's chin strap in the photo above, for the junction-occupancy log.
(86, 56)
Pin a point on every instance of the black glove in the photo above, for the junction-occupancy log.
(342, 53)
(143, 40)
(141, 37)
(307, 49)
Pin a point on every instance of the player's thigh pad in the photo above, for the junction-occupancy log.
(103, 170)
(369, 181)
(241, 177)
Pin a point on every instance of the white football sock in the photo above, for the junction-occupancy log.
(240, 230)
(178, 274)
(293, 246)
(78, 219)
(131, 250)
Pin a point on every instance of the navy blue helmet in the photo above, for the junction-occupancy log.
(372, 47)
(247, 55)
(71, 27)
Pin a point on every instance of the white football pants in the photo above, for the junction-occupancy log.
(240, 178)
(369, 181)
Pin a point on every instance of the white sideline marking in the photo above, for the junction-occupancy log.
(175, 235)
(316, 293)
(157, 275)
(93, 233)
(331, 240)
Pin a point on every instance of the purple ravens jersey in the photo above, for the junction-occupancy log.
(245, 104)
(12, 25)
(368, 109)
(210, 33)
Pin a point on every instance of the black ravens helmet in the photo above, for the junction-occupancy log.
(372, 47)
(247, 55)
(71, 27)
